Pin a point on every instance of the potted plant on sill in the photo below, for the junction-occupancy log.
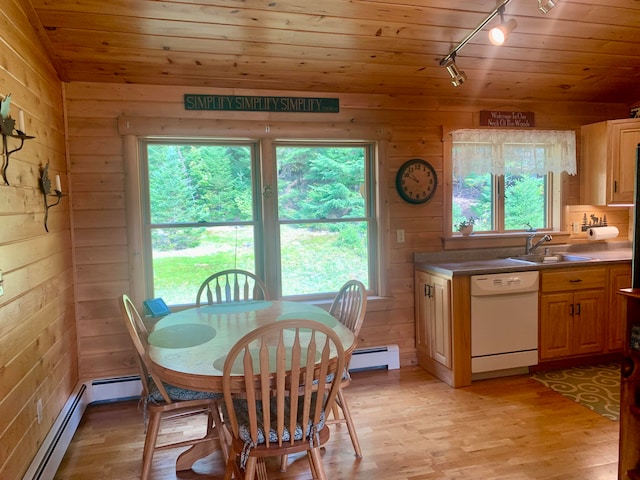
(465, 227)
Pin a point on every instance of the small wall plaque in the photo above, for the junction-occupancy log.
(493, 118)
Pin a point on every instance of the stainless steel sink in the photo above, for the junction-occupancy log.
(550, 258)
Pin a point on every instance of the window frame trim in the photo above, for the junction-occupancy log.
(371, 203)
(132, 129)
(257, 222)
(452, 241)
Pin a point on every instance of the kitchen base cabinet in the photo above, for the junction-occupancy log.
(440, 327)
(580, 319)
(442, 309)
(433, 326)
(555, 326)
(588, 322)
(572, 313)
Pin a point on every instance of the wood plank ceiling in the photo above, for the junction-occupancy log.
(581, 50)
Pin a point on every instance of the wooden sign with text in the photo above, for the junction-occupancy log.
(491, 118)
(249, 103)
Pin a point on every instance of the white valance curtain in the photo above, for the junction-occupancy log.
(532, 152)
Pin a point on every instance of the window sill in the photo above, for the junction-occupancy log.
(493, 240)
(374, 303)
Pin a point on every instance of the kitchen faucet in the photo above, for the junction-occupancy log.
(530, 247)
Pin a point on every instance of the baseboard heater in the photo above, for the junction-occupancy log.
(47, 460)
(114, 389)
(375, 357)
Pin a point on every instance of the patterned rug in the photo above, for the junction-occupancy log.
(597, 387)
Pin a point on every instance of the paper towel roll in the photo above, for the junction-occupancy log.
(602, 233)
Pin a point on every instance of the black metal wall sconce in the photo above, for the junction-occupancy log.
(45, 185)
(9, 130)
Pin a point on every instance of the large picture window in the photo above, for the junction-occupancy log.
(306, 228)
(201, 214)
(509, 180)
(325, 216)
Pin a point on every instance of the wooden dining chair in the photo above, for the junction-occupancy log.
(349, 307)
(277, 393)
(231, 286)
(164, 402)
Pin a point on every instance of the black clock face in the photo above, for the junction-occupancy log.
(416, 181)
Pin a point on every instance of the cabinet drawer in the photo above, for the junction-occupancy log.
(573, 279)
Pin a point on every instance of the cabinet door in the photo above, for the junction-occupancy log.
(619, 277)
(594, 152)
(555, 325)
(625, 139)
(441, 324)
(424, 312)
(588, 322)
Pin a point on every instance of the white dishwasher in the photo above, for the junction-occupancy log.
(504, 322)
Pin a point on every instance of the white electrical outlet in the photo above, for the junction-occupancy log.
(576, 227)
(39, 410)
(1, 284)
(400, 236)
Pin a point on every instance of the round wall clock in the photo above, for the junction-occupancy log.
(416, 181)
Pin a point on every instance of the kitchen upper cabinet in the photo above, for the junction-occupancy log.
(572, 312)
(433, 317)
(608, 161)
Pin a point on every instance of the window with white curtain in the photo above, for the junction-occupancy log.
(509, 180)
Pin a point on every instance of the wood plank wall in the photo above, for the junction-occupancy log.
(38, 358)
(40, 311)
(99, 208)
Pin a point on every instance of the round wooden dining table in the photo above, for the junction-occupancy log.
(188, 348)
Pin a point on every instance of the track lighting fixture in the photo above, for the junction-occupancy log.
(498, 35)
(545, 5)
(458, 77)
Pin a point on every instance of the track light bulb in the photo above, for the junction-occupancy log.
(545, 5)
(458, 77)
(498, 35)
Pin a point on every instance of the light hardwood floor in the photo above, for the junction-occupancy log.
(411, 427)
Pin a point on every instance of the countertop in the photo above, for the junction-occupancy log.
(502, 264)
